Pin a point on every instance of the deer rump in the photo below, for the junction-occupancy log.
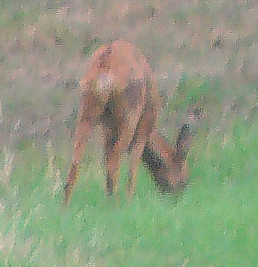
(119, 92)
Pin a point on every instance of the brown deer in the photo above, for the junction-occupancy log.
(119, 93)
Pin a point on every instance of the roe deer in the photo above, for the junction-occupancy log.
(119, 92)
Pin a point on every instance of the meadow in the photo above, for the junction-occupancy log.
(204, 54)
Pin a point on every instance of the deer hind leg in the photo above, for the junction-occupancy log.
(110, 138)
(88, 117)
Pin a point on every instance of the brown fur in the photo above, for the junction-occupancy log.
(119, 92)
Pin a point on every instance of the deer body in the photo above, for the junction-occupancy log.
(119, 92)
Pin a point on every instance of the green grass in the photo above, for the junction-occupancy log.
(214, 223)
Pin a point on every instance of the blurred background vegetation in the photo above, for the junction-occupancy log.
(204, 54)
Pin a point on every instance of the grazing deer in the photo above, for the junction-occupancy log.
(119, 93)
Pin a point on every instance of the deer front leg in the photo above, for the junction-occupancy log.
(136, 154)
(144, 128)
(125, 134)
(113, 157)
(88, 117)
